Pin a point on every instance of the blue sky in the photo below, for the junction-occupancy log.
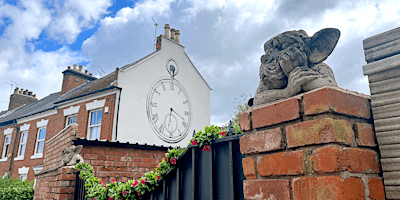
(223, 38)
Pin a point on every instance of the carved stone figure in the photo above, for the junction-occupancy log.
(292, 64)
(70, 155)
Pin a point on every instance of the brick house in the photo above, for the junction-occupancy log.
(32, 126)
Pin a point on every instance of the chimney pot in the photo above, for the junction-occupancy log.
(177, 36)
(86, 71)
(30, 93)
(80, 68)
(75, 67)
(34, 95)
(172, 34)
(26, 92)
(16, 90)
(21, 91)
(69, 67)
(90, 74)
(166, 30)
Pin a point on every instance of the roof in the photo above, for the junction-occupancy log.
(138, 61)
(86, 142)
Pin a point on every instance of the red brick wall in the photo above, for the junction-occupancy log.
(4, 166)
(319, 145)
(121, 164)
(58, 184)
(54, 147)
(69, 82)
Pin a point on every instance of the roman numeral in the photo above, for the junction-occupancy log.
(179, 91)
(185, 102)
(154, 117)
(184, 124)
(153, 104)
(171, 86)
(155, 90)
(161, 129)
(162, 85)
(187, 113)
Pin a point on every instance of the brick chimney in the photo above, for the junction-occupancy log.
(74, 77)
(19, 98)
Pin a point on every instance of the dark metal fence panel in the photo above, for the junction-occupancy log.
(80, 191)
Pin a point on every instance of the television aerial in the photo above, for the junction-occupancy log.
(155, 33)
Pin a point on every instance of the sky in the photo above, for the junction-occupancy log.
(223, 38)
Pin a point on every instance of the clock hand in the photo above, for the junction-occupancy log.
(178, 114)
(169, 123)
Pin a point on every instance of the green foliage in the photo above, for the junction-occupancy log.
(132, 189)
(207, 136)
(13, 188)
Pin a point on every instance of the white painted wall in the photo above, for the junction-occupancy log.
(133, 123)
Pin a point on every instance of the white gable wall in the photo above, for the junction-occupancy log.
(133, 123)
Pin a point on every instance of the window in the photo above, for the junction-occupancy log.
(71, 120)
(22, 144)
(7, 141)
(95, 124)
(40, 141)
(23, 177)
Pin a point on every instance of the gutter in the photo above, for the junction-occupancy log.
(15, 142)
(97, 91)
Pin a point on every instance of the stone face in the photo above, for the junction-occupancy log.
(376, 189)
(276, 113)
(262, 141)
(244, 121)
(331, 100)
(249, 168)
(336, 159)
(328, 187)
(70, 155)
(285, 163)
(319, 131)
(266, 189)
(292, 63)
(365, 134)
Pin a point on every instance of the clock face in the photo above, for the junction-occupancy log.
(169, 109)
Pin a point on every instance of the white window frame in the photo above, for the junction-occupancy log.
(66, 120)
(23, 173)
(39, 155)
(90, 126)
(4, 157)
(19, 157)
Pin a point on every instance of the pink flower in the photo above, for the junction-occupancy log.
(80, 178)
(105, 186)
(124, 193)
(138, 193)
(166, 159)
(223, 133)
(109, 198)
(158, 177)
(207, 148)
(93, 173)
(93, 199)
(143, 181)
(194, 142)
(173, 161)
(158, 166)
(135, 183)
(113, 181)
(101, 182)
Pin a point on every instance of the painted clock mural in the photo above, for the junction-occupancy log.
(168, 106)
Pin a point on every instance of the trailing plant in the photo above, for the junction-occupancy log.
(205, 138)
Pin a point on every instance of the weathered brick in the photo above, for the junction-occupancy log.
(328, 99)
(262, 141)
(90, 156)
(244, 121)
(335, 159)
(249, 168)
(276, 113)
(327, 187)
(365, 134)
(266, 189)
(97, 151)
(285, 163)
(376, 189)
(319, 131)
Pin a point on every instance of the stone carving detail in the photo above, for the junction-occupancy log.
(70, 155)
(292, 64)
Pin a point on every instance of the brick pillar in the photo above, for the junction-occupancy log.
(55, 184)
(382, 53)
(318, 145)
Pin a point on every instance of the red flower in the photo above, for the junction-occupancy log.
(109, 198)
(93, 173)
(101, 182)
(135, 183)
(223, 133)
(143, 181)
(93, 199)
(80, 178)
(158, 166)
(194, 142)
(138, 193)
(113, 181)
(166, 159)
(124, 193)
(105, 186)
(173, 161)
(158, 177)
(207, 148)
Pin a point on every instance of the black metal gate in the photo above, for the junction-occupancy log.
(199, 175)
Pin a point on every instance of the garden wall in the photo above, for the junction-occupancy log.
(318, 145)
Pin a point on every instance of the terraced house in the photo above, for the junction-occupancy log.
(159, 100)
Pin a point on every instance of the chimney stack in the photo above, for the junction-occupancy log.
(74, 77)
(74, 67)
(172, 34)
(21, 97)
(166, 30)
(80, 68)
(177, 36)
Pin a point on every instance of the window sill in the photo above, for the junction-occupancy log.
(3, 159)
(19, 158)
(36, 156)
